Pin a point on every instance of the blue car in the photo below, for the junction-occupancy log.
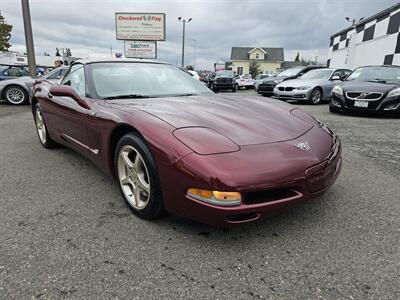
(9, 72)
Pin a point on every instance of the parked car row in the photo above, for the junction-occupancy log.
(367, 88)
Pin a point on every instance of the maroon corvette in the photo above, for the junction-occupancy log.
(173, 145)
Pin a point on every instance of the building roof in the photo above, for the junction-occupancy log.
(242, 53)
(369, 19)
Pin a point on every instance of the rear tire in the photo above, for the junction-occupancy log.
(137, 176)
(16, 95)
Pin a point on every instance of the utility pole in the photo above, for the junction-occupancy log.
(183, 38)
(29, 37)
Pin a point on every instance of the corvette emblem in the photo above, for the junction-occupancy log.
(303, 146)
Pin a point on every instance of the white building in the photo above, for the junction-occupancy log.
(17, 59)
(373, 41)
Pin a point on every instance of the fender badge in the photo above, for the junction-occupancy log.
(303, 146)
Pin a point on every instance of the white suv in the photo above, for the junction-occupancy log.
(244, 81)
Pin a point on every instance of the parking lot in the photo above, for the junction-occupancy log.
(65, 231)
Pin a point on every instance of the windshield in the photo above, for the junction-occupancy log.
(143, 79)
(317, 74)
(258, 77)
(224, 74)
(381, 74)
(290, 72)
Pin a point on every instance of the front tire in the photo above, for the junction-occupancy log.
(137, 176)
(41, 129)
(16, 95)
(316, 96)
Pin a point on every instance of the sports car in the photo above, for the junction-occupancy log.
(174, 146)
(368, 89)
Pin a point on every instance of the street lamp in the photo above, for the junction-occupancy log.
(184, 21)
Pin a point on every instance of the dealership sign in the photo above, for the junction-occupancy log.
(140, 49)
(140, 26)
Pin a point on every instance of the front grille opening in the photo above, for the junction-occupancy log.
(270, 195)
(244, 217)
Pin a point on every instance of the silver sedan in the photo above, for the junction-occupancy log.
(315, 86)
(17, 91)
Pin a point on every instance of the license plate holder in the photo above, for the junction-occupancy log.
(361, 104)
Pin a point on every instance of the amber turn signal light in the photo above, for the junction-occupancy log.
(216, 197)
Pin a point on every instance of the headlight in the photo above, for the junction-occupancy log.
(215, 197)
(302, 88)
(394, 93)
(278, 80)
(337, 89)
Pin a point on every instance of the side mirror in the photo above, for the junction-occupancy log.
(336, 77)
(67, 91)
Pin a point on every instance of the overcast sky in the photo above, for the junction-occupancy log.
(88, 27)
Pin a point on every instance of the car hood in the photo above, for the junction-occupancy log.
(303, 82)
(245, 120)
(364, 86)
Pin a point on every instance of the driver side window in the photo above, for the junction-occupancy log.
(76, 80)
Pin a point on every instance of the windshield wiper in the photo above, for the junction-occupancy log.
(127, 96)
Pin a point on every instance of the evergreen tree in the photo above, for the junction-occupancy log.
(297, 57)
(5, 34)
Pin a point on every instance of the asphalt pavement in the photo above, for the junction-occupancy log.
(65, 231)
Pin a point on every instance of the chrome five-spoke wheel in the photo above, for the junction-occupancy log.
(133, 177)
(40, 126)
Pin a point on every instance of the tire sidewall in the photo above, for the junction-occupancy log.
(155, 206)
(49, 142)
(21, 89)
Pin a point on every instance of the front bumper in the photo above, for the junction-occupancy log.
(267, 89)
(384, 105)
(292, 95)
(224, 86)
(285, 177)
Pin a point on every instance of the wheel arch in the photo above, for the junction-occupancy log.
(116, 134)
(34, 101)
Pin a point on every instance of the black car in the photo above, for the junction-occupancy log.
(368, 89)
(223, 80)
(266, 88)
(9, 72)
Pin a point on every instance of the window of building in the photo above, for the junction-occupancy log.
(257, 56)
(240, 70)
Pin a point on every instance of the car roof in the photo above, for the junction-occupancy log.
(87, 61)
(386, 66)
